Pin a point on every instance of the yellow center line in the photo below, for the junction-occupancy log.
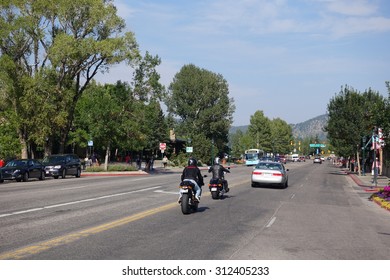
(66, 239)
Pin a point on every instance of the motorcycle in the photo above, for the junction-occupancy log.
(217, 188)
(188, 202)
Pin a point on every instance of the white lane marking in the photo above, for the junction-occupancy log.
(292, 196)
(270, 223)
(75, 202)
(73, 188)
(161, 191)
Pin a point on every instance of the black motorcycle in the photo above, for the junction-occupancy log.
(188, 202)
(216, 188)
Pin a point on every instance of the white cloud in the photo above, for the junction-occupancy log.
(353, 25)
(353, 7)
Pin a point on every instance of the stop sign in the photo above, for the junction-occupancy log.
(163, 146)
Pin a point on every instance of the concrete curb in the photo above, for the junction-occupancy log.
(123, 173)
(141, 172)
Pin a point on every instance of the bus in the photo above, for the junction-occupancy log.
(253, 156)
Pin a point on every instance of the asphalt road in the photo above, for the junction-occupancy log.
(322, 215)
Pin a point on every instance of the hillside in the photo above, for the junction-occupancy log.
(301, 130)
(311, 127)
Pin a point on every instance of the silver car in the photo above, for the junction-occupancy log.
(317, 160)
(269, 173)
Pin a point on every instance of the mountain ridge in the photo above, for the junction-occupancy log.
(310, 128)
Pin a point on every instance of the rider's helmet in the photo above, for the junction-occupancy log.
(192, 162)
(216, 160)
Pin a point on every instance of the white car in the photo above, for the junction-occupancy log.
(317, 160)
(269, 173)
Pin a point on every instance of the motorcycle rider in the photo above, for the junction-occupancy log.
(192, 173)
(218, 173)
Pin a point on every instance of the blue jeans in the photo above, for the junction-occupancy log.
(198, 190)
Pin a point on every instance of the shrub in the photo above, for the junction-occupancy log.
(112, 167)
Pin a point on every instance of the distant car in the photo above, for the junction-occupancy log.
(283, 160)
(317, 160)
(269, 173)
(302, 159)
(22, 170)
(62, 165)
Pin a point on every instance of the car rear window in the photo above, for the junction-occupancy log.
(270, 166)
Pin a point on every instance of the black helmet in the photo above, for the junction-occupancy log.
(192, 162)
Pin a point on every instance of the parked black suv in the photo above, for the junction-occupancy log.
(62, 165)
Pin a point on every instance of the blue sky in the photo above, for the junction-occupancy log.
(287, 58)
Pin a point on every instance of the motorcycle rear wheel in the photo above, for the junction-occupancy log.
(214, 195)
(185, 206)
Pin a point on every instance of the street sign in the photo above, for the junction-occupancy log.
(163, 146)
(90, 143)
(317, 145)
(189, 149)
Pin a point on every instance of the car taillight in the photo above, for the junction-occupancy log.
(257, 173)
(276, 174)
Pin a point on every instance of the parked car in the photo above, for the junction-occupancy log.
(62, 165)
(22, 169)
(269, 173)
(317, 160)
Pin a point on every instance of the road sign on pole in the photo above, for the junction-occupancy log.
(317, 145)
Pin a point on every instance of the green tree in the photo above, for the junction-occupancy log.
(102, 115)
(281, 134)
(260, 131)
(148, 91)
(9, 144)
(353, 115)
(111, 114)
(58, 46)
(240, 142)
(146, 80)
(154, 126)
(199, 100)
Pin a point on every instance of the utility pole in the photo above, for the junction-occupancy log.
(375, 181)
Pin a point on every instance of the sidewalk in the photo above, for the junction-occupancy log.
(376, 190)
(366, 182)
